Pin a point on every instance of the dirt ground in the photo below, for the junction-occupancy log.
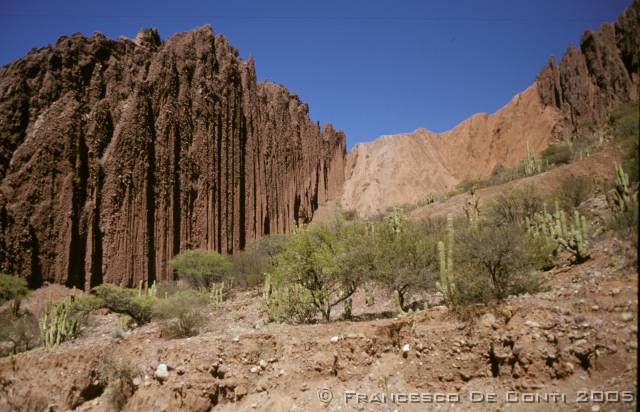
(562, 349)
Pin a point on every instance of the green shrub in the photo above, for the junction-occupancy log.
(12, 288)
(200, 268)
(572, 191)
(21, 330)
(290, 303)
(405, 258)
(180, 315)
(557, 154)
(491, 263)
(258, 258)
(515, 206)
(126, 301)
(324, 262)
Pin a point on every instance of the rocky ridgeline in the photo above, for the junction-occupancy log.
(602, 73)
(117, 154)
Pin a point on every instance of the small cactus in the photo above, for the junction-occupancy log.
(216, 294)
(554, 226)
(58, 322)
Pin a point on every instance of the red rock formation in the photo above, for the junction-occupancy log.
(116, 155)
(601, 74)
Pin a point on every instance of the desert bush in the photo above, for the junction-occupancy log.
(180, 315)
(323, 261)
(557, 154)
(289, 303)
(625, 224)
(350, 215)
(573, 190)
(21, 330)
(404, 259)
(200, 268)
(117, 377)
(491, 263)
(12, 288)
(258, 258)
(126, 301)
(515, 206)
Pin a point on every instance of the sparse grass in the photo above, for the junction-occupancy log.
(117, 377)
(180, 315)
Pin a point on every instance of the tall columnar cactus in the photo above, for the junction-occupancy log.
(216, 294)
(445, 253)
(621, 197)
(532, 165)
(266, 289)
(369, 298)
(471, 208)
(397, 298)
(348, 308)
(58, 322)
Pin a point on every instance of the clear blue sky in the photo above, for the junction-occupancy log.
(369, 67)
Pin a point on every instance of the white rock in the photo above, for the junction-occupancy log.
(532, 324)
(334, 339)
(626, 316)
(162, 372)
(254, 369)
(263, 364)
(406, 348)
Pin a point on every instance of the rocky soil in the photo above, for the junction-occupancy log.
(115, 155)
(578, 335)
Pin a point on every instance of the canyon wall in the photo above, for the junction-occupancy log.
(564, 101)
(116, 155)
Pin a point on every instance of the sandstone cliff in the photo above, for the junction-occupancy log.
(578, 93)
(117, 154)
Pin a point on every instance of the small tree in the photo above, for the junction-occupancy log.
(320, 261)
(200, 268)
(405, 257)
(493, 262)
(12, 288)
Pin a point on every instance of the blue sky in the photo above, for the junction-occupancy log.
(369, 67)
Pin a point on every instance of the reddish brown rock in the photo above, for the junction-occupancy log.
(117, 154)
(599, 75)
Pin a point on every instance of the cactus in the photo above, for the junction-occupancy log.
(445, 253)
(58, 322)
(532, 165)
(398, 301)
(348, 308)
(554, 226)
(397, 219)
(368, 295)
(471, 208)
(216, 294)
(153, 290)
(621, 198)
(266, 289)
